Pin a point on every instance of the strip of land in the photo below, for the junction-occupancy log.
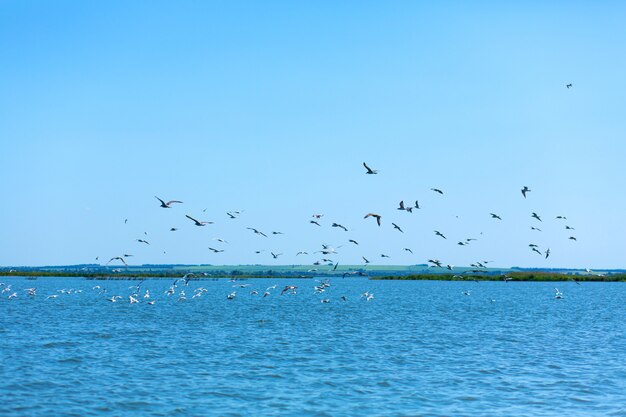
(376, 272)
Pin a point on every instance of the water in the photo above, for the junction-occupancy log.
(419, 348)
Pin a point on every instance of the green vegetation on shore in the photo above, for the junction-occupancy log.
(260, 271)
(513, 276)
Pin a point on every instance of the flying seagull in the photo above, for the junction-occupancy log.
(119, 258)
(369, 170)
(495, 216)
(275, 255)
(365, 259)
(571, 238)
(535, 216)
(197, 222)
(535, 228)
(408, 250)
(438, 233)
(353, 241)
(314, 222)
(525, 190)
(142, 241)
(256, 231)
(395, 226)
(401, 206)
(417, 204)
(568, 86)
(168, 204)
(216, 250)
(547, 253)
(377, 216)
(437, 190)
(339, 226)
(561, 217)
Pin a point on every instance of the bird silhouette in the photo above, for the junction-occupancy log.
(197, 222)
(168, 204)
(369, 170)
(377, 216)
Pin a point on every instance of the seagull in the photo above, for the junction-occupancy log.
(119, 258)
(569, 228)
(382, 255)
(558, 294)
(568, 86)
(220, 240)
(302, 253)
(395, 226)
(535, 228)
(275, 255)
(314, 222)
(289, 288)
(547, 253)
(232, 216)
(377, 216)
(437, 190)
(142, 241)
(369, 170)
(256, 231)
(462, 243)
(198, 223)
(232, 295)
(408, 250)
(532, 245)
(525, 190)
(173, 229)
(438, 233)
(317, 216)
(277, 233)
(365, 259)
(335, 267)
(571, 238)
(535, 216)
(168, 204)
(417, 205)
(495, 216)
(216, 250)
(353, 241)
(561, 217)
(401, 206)
(340, 226)
(436, 262)
(536, 250)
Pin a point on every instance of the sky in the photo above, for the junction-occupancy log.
(270, 108)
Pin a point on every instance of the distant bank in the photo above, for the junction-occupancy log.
(377, 272)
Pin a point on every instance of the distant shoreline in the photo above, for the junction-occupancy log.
(512, 276)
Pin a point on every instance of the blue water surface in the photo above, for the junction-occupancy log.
(418, 348)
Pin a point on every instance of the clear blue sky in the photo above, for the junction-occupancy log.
(271, 108)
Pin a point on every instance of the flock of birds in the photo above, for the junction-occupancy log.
(180, 290)
(328, 251)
